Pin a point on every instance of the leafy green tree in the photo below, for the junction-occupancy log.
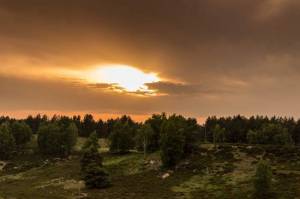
(93, 173)
(172, 144)
(283, 138)
(92, 142)
(252, 137)
(22, 133)
(54, 139)
(218, 134)
(192, 134)
(155, 122)
(262, 180)
(36, 122)
(70, 135)
(121, 137)
(145, 138)
(7, 142)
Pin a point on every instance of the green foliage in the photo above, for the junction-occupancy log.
(91, 155)
(270, 133)
(145, 138)
(92, 169)
(91, 143)
(262, 180)
(122, 137)
(7, 142)
(283, 138)
(218, 134)
(178, 138)
(191, 134)
(172, 143)
(88, 125)
(71, 135)
(96, 176)
(54, 139)
(22, 133)
(252, 137)
(155, 122)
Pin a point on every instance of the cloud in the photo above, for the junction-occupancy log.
(233, 56)
(272, 8)
(173, 89)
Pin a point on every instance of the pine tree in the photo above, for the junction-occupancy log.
(93, 173)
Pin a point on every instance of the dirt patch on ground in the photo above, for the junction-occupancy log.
(74, 185)
(70, 184)
(18, 176)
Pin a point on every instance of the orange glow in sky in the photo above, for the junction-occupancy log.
(125, 77)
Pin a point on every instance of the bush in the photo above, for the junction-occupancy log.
(22, 133)
(262, 180)
(95, 176)
(7, 142)
(54, 139)
(92, 169)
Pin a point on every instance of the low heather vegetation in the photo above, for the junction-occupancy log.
(210, 159)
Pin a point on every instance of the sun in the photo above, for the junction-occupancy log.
(123, 78)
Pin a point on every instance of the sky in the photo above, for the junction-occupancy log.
(192, 57)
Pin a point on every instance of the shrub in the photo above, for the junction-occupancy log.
(54, 139)
(262, 180)
(7, 142)
(95, 176)
(22, 133)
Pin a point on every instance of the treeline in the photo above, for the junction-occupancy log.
(236, 129)
(253, 130)
(174, 135)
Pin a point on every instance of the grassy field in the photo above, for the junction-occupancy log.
(224, 172)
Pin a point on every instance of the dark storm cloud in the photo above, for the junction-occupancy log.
(175, 89)
(234, 50)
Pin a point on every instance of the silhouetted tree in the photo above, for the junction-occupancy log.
(55, 139)
(145, 138)
(122, 137)
(22, 133)
(7, 142)
(155, 121)
(88, 125)
(172, 143)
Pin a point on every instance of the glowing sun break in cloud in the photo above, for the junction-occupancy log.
(123, 78)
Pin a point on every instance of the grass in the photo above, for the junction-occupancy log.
(222, 172)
